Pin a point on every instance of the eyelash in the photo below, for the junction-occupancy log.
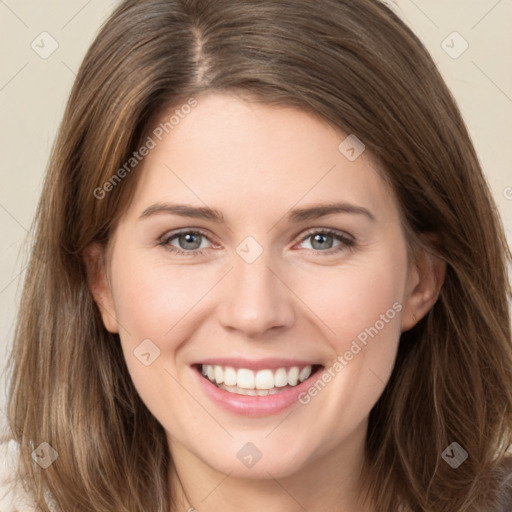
(347, 243)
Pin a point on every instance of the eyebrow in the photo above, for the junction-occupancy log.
(294, 216)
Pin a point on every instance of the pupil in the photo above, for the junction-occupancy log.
(318, 240)
(187, 240)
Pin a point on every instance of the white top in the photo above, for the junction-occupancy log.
(13, 497)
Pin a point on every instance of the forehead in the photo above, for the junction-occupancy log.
(249, 159)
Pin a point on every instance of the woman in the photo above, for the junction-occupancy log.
(179, 347)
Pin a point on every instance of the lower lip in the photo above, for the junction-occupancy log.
(254, 405)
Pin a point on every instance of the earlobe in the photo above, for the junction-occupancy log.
(424, 283)
(97, 282)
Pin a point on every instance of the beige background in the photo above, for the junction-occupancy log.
(33, 91)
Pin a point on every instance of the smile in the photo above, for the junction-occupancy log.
(244, 381)
(251, 387)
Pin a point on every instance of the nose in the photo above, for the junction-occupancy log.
(255, 298)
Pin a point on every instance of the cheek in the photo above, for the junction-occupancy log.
(353, 298)
(158, 302)
(153, 304)
(152, 298)
(359, 306)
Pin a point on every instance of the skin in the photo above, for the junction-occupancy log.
(255, 163)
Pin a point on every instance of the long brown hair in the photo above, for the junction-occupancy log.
(359, 67)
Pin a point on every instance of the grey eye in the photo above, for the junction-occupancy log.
(321, 241)
(189, 240)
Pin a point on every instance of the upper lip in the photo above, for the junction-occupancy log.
(256, 364)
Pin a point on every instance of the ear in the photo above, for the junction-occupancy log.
(97, 280)
(425, 278)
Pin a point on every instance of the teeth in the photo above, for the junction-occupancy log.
(281, 378)
(260, 383)
(229, 376)
(245, 379)
(293, 376)
(304, 373)
(249, 392)
(264, 379)
(219, 375)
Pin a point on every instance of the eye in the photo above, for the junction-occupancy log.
(324, 241)
(185, 242)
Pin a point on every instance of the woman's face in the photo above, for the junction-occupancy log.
(259, 253)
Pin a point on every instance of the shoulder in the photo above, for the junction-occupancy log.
(13, 497)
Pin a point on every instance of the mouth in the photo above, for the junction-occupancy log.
(260, 382)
